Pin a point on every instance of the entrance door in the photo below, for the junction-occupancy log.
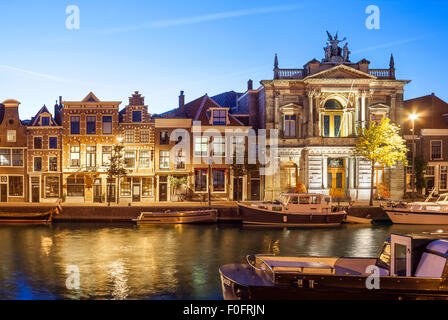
(237, 189)
(163, 188)
(336, 177)
(255, 190)
(111, 192)
(97, 191)
(3, 191)
(136, 190)
(35, 189)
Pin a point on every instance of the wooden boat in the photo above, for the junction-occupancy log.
(428, 213)
(27, 218)
(357, 220)
(293, 209)
(410, 266)
(177, 217)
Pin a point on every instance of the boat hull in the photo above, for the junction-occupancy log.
(26, 218)
(190, 217)
(404, 216)
(256, 216)
(325, 288)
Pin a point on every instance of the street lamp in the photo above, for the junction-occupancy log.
(413, 117)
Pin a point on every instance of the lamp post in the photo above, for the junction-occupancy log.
(413, 117)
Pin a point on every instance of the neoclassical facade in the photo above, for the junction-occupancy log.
(318, 111)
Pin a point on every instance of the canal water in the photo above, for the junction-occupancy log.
(158, 262)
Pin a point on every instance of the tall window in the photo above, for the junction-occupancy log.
(90, 156)
(147, 187)
(107, 125)
(443, 177)
(51, 187)
(37, 143)
(289, 176)
(219, 146)
(15, 186)
(219, 180)
(53, 164)
(74, 156)
(106, 155)
(129, 136)
(129, 159)
(436, 149)
(145, 159)
(17, 157)
(37, 164)
(53, 142)
(200, 180)
(136, 116)
(144, 136)
(74, 125)
(164, 138)
(91, 125)
(5, 157)
(332, 119)
(11, 135)
(180, 160)
(125, 187)
(201, 146)
(75, 187)
(164, 161)
(219, 117)
(290, 126)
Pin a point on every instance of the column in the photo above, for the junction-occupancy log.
(356, 122)
(310, 114)
(352, 172)
(363, 109)
(324, 172)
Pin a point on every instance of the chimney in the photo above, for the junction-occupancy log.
(250, 85)
(181, 101)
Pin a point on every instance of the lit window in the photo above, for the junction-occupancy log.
(443, 177)
(51, 187)
(129, 136)
(5, 157)
(11, 136)
(144, 137)
(145, 159)
(15, 186)
(201, 146)
(53, 164)
(219, 146)
(125, 187)
(180, 160)
(107, 125)
(91, 156)
(74, 156)
(129, 159)
(164, 161)
(147, 187)
(107, 155)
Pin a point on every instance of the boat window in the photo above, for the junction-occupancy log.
(315, 200)
(277, 208)
(400, 260)
(294, 200)
(327, 200)
(304, 200)
(384, 257)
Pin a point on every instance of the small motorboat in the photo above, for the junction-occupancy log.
(293, 209)
(430, 213)
(178, 217)
(27, 218)
(410, 266)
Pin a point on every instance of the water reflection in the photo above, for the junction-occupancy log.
(158, 262)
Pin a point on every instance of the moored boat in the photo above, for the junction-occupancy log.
(428, 213)
(27, 218)
(293, 209)
(178, 217)
(410, 266)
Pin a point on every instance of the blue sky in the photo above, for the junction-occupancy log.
(162, 47)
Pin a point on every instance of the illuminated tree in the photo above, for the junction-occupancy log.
(383, 145)
(116, 170)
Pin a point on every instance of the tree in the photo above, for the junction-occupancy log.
(381, 144)
(116, 169)
(420, 168)
(177, 182)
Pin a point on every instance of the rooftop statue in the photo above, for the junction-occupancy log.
(333, 53)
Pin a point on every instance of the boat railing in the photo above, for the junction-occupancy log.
(252, 261)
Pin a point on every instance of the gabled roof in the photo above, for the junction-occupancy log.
(340, 71)
(228, 99)
(91, 98)
(34, 122)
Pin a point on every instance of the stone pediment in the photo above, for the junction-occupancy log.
(341, 72)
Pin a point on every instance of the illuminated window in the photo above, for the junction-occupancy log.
(164, 160)
(74, 156)
(11, 136)
(144, 137)
(147, 188)
(15, 186)
(443, 178)
(129, 136)
(91, 156)
(219, 146)
(129, 159)
(145, 159)
(51, 187)
(201, 146)
(53, 164)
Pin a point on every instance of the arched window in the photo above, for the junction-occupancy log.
(332, 119)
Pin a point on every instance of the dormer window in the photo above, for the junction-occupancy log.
(11, 136)
(45, 121)
(219, 117)
(136, 116)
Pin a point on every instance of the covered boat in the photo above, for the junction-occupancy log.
(430, 213)
(293, 209)
(410, 266)
(178, 217)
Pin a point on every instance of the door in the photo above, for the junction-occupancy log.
(401, 262)
(111, 192)
(255, 190)
(136, 190)
(237, 189)
(163, 188)
(35, 189)
(336, 177)
(97, 191)
(3, 191)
